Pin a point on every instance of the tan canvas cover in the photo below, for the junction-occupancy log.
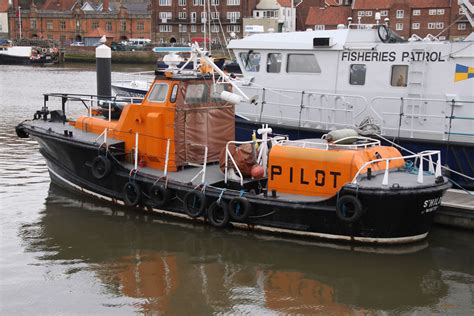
(210, 124)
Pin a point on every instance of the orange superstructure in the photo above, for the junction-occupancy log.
(321, 171)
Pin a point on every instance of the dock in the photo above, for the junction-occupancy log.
(457, 209)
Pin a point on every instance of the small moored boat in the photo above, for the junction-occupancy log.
(175, 153)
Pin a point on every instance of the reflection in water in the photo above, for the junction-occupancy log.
(164, 263)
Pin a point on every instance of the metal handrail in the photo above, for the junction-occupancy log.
(420, 156)
(370, 142)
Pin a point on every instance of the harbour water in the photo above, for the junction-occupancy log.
(65, 253)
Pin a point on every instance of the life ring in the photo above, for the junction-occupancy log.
(131, 193)
(159, 195)
(349, 209)
(384, 33)
(218, 214)
(239, 208)
(20, 132)
(194, 203)
(44, 50)
(101, 167)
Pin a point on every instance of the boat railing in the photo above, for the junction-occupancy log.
(433, 168)
(358, 142)
(315, 108)
(415, 116)
(203, 166)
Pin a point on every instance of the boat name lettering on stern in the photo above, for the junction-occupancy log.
(431, 205)
(371, 56)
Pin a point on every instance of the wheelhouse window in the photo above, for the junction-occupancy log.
(216, 91)
(357, 74)
(274, 62)
(251, 61)
(196, 93)
(399, 76)
(303, 63)
(158, 93)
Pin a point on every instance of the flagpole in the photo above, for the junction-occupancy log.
(19, 18)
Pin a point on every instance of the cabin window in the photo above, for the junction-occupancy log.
(196, 93)
(174, 94)
(303, 63)
(399, 76)
(357, 76)
(251, 61)
(216, 91)
(274, 62)
(158, 93)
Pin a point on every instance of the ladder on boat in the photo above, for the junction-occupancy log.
(415, 85)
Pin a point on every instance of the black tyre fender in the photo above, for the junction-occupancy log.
(218, 214)
(194, 203)
(131, 193)
(159, 195)
(349, 208)
(101, 167)
(239, 208)
(20, 132)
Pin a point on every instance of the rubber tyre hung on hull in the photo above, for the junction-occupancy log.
(218, 214)
(159, 195)
(194, 203)
(101, 167)
(239, 209)
(131, 193)
(349, 209)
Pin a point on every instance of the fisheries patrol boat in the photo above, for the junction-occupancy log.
(175, 154)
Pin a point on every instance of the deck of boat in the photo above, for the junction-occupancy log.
(457, 209)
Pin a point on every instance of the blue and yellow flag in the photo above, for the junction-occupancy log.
(463, 72)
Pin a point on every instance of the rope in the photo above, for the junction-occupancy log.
(461, 187)
(220, 196)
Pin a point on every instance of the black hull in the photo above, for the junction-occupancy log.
(390, 217)
(14, 60)
(457, 156)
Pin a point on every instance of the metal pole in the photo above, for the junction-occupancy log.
(19, 18)
(136, 151)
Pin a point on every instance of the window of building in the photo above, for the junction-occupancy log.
(166, 28)
(140, 26)
(399, 26)
(214, 2)
(108, 26)
(319, 27)
(274, 62)
(182, 2)
(361, 13)
(198, 2)
(158, 93)
(233, 2)
(251, 61)
(166, 16)
(33, 23)
(440, 12)
(182, 15)
(123, 26)
(357, 74)
(193, 17)
(49, 25)
(400, 14)
(384, 13)
(196, 93)
(431, 26)
(461, 11)
(415, 26)
(440, 25)
(399, 76)
(62, 25)
(164, 3)
(203, 16)
(233, 28)
(215, 15)
(461, 26)
(302, 63)
(95, 25)
(182, 28)
(432, 11)
(368, 13)
(233, 16)
(193, 28)
(417, 12)
(215, 28)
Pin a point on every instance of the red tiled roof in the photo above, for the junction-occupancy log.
(284, 3)
(328, 15)
(58, 5)
(3, 5)
(429, 4)
(386, 4)
(372, 4)
(98, 32)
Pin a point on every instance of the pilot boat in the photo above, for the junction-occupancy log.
(175, 153)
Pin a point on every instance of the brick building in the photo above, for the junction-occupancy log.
(71, 20)
(181, 20)
(441, 18)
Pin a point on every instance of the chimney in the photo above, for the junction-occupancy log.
(105, 7)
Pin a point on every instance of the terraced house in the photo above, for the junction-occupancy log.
(75, 20)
